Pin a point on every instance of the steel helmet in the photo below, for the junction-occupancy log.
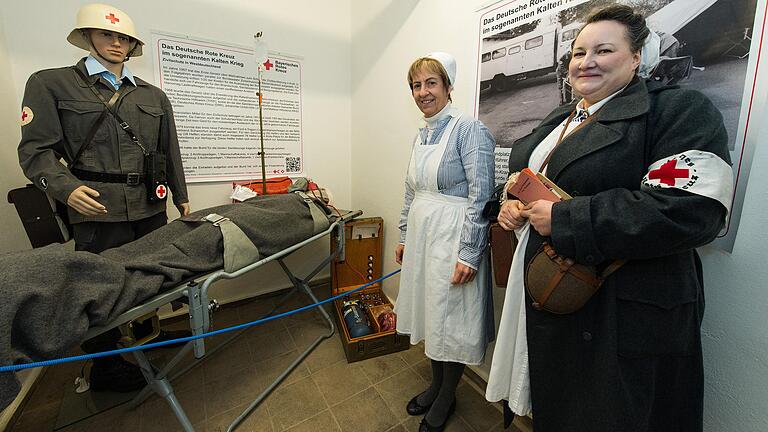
(103, 17)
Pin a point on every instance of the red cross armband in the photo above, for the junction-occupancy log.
(695, 171)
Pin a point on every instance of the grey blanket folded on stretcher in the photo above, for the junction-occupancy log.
(51, 296)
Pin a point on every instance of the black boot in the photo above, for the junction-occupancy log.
(115, 374)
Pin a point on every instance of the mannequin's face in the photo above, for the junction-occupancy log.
(112, 46)
(429, 92)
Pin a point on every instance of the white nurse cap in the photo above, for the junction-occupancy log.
(448, 62)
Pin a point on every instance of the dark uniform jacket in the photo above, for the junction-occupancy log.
(630, 360)
(64, 109)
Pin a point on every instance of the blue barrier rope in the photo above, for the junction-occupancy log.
(13, 368)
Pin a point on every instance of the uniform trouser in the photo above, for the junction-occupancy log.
(97, 237)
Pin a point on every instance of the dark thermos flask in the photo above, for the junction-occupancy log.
(356, 319)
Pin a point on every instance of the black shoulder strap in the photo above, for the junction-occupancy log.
(88, 138)
(109, 105)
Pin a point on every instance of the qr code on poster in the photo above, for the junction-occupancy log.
(292, 164)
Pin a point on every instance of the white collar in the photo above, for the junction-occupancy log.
(447, 111)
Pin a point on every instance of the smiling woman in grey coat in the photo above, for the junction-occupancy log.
(649, 171)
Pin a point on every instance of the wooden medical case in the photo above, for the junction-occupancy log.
(361, 264)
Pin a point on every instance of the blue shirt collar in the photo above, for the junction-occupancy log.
(94, 67)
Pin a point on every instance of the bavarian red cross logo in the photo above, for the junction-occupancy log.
(268, 65)
(668, 173)
(112, 18)
(160, 191)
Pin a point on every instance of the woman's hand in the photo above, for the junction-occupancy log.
(510, 216)
(539, 213)
(463, 274)
(399, 253)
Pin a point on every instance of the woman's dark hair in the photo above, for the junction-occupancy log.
(637, 31)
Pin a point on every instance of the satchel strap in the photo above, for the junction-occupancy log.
(567, 266)
(612, 268)
(97, 124)
(110, 108)
(553, 283)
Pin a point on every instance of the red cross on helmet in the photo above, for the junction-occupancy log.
(104, 17)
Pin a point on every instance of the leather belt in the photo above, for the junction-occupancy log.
(131, 179)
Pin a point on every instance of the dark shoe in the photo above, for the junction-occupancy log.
(424, 426)
(116, 375)
(414, 408)
(166, 335)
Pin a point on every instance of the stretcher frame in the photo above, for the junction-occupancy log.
(195, 294)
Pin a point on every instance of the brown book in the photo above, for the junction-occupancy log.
(528, 188)
(553, 187)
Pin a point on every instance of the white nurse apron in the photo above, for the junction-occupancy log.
(451, 319)
(509, 377)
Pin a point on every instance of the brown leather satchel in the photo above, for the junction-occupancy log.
(503, 245)
(560, 285)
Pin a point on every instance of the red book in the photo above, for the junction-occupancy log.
(529, 188)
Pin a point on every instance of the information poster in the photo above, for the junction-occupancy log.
(214, 91)
(708, 45)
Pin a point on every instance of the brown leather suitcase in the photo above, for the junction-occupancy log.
(503, 245)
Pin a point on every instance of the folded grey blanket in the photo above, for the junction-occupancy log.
(52, 295)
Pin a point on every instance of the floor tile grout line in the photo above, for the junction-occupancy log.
(385, 404)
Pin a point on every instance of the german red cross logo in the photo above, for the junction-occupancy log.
(26, 116)
(160, 191)
(268, 65)
(112, 18)
(668, 173)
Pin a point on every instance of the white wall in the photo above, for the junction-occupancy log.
(34, 38)
(735, 322)
(12, 236)
(388, 35)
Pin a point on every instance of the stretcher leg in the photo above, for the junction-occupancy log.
(160, 384)
(199, 314)
(299, 284)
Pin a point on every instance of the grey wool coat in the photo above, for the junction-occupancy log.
(630, 360)
(64, 109)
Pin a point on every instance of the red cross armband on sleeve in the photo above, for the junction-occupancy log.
(695, 171)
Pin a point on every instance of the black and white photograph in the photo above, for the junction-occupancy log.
(705, 45)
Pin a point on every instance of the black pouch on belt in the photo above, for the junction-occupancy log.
(156, 179)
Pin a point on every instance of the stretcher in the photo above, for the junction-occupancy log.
(195, 293)
(123, 274)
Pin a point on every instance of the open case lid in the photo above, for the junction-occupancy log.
(362, 256)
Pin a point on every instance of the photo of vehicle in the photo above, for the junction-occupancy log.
(523, 71)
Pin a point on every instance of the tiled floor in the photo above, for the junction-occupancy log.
(324, 393)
